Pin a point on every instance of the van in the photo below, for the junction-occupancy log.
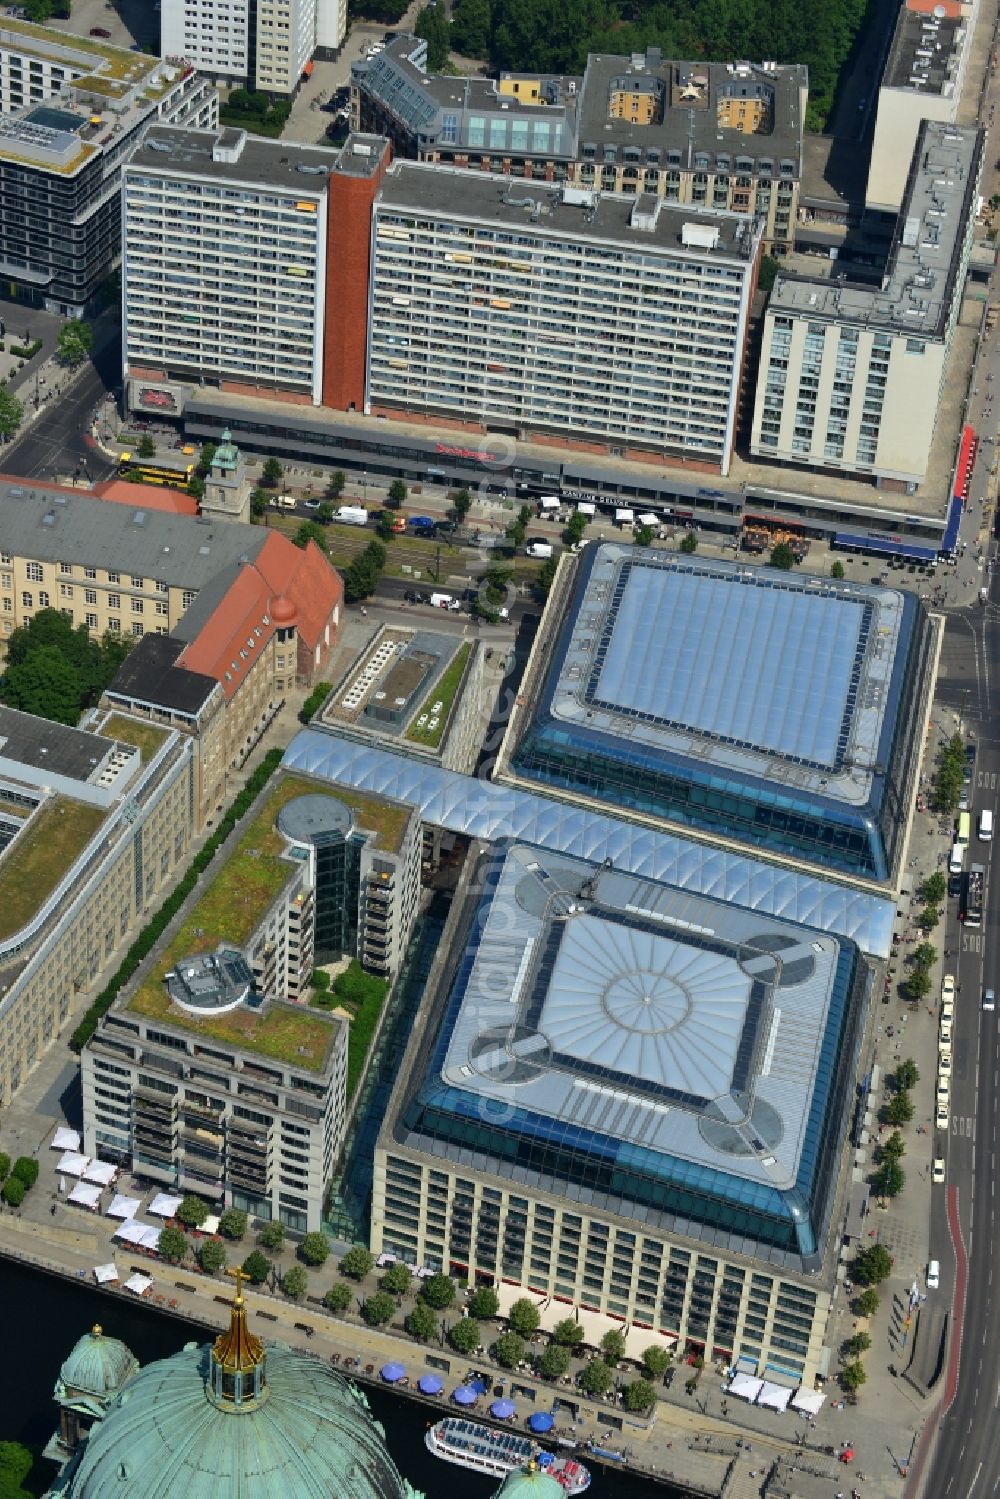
(986, 824)
(352, 515)
(285, 501)
(956, 861)
(539, 549)
(933, 1275)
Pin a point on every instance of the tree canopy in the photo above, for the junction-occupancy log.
(55, 670)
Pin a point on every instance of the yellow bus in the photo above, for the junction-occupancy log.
(141, 472)
(964, 829)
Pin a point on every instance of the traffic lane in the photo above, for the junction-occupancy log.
(58, 442)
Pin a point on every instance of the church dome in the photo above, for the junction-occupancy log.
(98, 1365)
(530, 1483)
(284, 613)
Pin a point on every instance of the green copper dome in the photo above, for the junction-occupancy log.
(307, 1434)
(97, 1365)
(530, 1483)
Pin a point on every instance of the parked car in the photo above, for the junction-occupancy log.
(989, 1000)
(937, 1171)
(933, 1275)
(948, 987)
(100, 31)
(941, 1117)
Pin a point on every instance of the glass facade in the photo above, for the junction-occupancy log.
(338, 880)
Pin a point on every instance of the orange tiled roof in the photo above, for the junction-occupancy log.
(146, 497)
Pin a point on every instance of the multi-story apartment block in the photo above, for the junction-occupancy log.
(73, 112)
(603, 323)
(850, 375)
(209, 1074)
(923, 79)
(93, 828)
(724, 135)
(266, 45)
(226, 618)
(227, 243)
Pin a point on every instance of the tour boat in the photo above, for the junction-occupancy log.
(498, 1453)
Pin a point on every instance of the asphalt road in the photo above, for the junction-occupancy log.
(58, 444)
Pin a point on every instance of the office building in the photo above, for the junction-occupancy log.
(225, 281)
(850, 375)
(211, 1074)
(266, 46)
(786, 713)
(73, 112)
(923, 79)
(605, 324)
(723, 135)
(94, 827)
(226, 618)
(632, 1099)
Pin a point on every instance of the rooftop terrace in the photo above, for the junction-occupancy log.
(32, 866)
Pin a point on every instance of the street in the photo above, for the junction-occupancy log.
(58, 443)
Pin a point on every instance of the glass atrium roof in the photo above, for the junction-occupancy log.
(480, 809)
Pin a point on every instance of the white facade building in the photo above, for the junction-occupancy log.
(224, 256)
(213, 34)
(612, 323)
(266, 45)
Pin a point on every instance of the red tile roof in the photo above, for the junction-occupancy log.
(146, 497)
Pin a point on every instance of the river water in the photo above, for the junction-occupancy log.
(44, 1316)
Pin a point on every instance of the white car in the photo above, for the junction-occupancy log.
(948, 1011)
(944, 1065)
(942, 1118)
(937, 1171)
(944, 1090)
(933, 1275)
(945, 1036)
(948, 988)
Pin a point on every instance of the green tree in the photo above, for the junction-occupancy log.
(173, 1245)
(192, 1211)
(546, 575)
(378, 1308)
(272, 1234)
(523, 1317)
(11, 413)
(508, 1350)
(484, 1303)
(927, 918)
(554, 1361)
(860, 1343)
(918, 983)
(644, 536)
(196, 487)
(206, 458)
(432, 26)
(258, 503)
(892, 1149)
(899, 1109)
(339, 1297)
(397, 1279)
(438, 1291)
(325, 513)
(640, 1395)
(233, 1224)
(362, 575)
(933, 888)
(146, 447)
(464, 1335)
(272, 473)
(470, 28)
(357, 1263)
(383, 527)
(516, 533)
(868, 1302)
(75, 341)
(295, 1282)
(574, 529)
(4, 1166)
(837, 570)
(613, 1346)
(872, 1265)
(13, 1191)
(782, 556)
(335, 484)
(45, 685)
(907, 1074)
(568, 1332)
(596, 1378)
(15, 1465)
(314, 1249)
(924, 955)
(769, 268)
(397, 493)
(853, 1376)
(461, 504)
(26, 1169)
(655, 1360)
(689, 543)
(421, 1322)
(890, 1178)
(256, 1267)
(212, 1255)
(308, 531)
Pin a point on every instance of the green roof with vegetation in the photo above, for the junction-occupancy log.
(147, 738)
(40, 855)
(442, 692)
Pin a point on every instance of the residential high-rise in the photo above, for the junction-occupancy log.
(260, 44)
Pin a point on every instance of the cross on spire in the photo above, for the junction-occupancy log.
(239, 1275)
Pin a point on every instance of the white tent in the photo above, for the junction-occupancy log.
(164, 1206)
(123, 1207)
(150, 1236)
(65, 1139)
(103, 1274)
(586, 508)
(624, 516)
(101, 1171)
(72, 1164)
(85, 1195)
(130, 1232)
(211, 1224)
(746, 1386)
(774, 1395)
(139, 1284)
(810, 1401)
(649, 519)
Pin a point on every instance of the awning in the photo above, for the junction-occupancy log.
(540, 1421)
(638, 1339)
(72, 1164)
(65, 1139)
(123, 1207)
(586, 508)
(138, 1284)
(85, 1195)
(392, 1373)
(507, 1295)
(774, 1395)
(211, 1224)
(624, 515)
(649, 519)
(810, 1401)
(102, 1172)
(307, 71)
(104, 1274)
(746, 1387)
(857, 1209)
(385, 1259)
(430, 1384)
(503, 1409)
(885, 546)
(464, 1395)
(164, 1206)
(950, 538)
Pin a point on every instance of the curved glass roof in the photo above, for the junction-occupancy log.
(480, 809)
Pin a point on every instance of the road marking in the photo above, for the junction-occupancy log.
(975, 1480)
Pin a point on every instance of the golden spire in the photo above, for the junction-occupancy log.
(237, 1350)
(96, 1330)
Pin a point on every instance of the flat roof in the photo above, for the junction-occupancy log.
(150, 675)
(924, 51)
(686, 1039)
(46, 847)
(920, 281)
(479, 809)
(55, 748)
(540, 209)
(228, 155)
(751, 670)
